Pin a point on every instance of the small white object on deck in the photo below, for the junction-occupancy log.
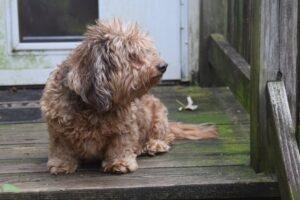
(190, 105)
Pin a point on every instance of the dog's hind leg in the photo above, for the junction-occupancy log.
(157, 137)
(153, 147)
(120, 156)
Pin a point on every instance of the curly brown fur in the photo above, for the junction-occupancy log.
(97, 106)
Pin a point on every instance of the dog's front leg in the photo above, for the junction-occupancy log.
(61, 159)
(120, 156)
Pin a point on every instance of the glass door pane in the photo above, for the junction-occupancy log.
(55, 20)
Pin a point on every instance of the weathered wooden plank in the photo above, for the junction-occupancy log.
(17, 115)
(282, 132)
(230, 67)
(273, 56)
(179, 150)
(167, 183)
(36, 133)
(182, 154)
(11, 94)
(160, 161)
(236, 111)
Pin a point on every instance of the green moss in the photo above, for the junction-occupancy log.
(242, 95)
(193, 91)
(210, 147)
(209, 100)
(218, 37)
(173, 160)
(200, 117)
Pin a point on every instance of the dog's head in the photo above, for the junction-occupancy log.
(114, 65)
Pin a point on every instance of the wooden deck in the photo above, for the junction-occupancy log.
(212, 169)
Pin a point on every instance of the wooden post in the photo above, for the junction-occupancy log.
(273, 56)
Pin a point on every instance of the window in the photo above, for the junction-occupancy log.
(51, 24)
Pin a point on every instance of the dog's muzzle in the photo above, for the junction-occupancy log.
(162, 67)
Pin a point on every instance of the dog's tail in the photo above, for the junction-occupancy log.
(179, 131)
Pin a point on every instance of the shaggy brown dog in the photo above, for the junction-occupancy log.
(97, 107)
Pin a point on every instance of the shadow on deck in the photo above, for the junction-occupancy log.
(212, 169)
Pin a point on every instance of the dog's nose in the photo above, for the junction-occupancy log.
(162, 67)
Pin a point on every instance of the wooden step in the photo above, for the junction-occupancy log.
(149, 183)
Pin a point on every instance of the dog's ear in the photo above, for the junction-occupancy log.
(88, 79)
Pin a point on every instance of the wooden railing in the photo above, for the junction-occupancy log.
(230, 67)
(282, 152)
(281, 131)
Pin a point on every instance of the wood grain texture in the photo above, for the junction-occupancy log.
(288, 28)
(273, 56)
(181, 155)
(282, 132)
(264, 25)
(230, 67)
(17, 135)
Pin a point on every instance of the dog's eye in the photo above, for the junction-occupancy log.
(136, 60)
(133, 56)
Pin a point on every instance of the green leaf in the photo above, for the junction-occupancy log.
(9, 188)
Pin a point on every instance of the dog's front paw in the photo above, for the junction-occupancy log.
(120, 167)
(57, 166)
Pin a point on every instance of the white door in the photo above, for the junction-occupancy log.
(40, 34)
(161, 18)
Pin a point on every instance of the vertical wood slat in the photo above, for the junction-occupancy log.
(213, 19)
(239, 29)
(288, 23)
(247, 12)
(273, 56)
(235, 24)
(282, 132)
(193, 39)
